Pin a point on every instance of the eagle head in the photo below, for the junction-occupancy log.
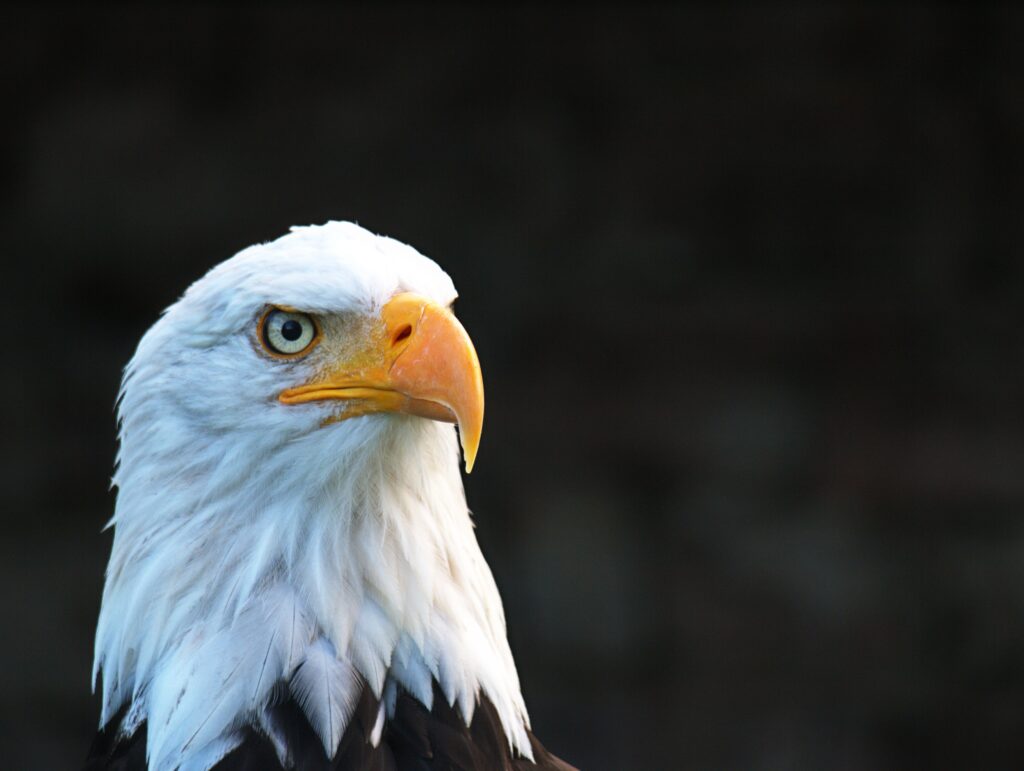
(290, 524)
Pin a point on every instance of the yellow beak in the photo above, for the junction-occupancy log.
(418, 359)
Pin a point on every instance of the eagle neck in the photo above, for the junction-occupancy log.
(354, 542)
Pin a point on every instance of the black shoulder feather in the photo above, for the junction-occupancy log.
(416, 739)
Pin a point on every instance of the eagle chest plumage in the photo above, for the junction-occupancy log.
(294, 581)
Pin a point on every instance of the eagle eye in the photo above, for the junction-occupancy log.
(287, 333)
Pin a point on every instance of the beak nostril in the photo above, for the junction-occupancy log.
(402, 334)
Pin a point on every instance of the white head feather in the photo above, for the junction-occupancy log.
(251, 539)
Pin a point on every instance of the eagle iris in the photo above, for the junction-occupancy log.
(288, 333)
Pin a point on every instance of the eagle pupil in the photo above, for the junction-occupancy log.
(291, 330)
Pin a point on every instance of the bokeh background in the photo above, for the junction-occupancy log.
(746, 286)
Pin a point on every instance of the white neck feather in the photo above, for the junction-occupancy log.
(329, 559)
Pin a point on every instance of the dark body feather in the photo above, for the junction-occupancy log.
(414, 740)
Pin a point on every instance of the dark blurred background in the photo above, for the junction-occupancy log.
(746, 288)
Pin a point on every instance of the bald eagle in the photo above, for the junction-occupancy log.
(294, 580)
